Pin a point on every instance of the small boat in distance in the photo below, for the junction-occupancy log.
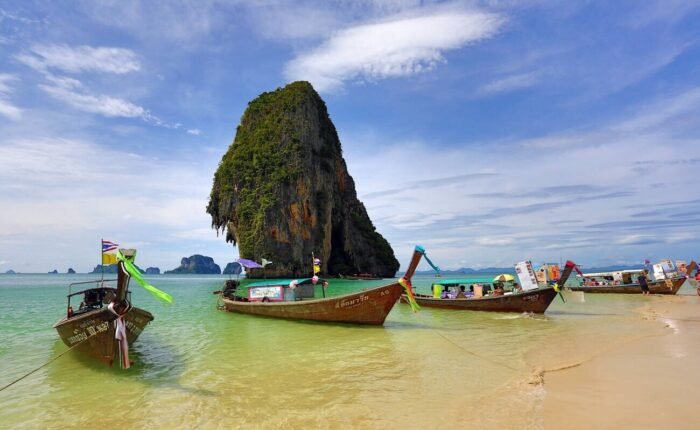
(535, 300)
(279, 299)
(105, 322)
(625, 282)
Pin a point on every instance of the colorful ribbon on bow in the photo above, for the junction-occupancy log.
(136, 274)
(406, 284)
(435, 268)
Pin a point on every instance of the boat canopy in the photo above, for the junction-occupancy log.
(249, 264)
(465, 281)
(599, 274)
(272, 282)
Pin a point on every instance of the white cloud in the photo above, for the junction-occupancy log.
(400, 46)
(65, 191)
(684, 104)
(518, 214)
(80, 59)
(194, 131)
(179, 20)
(85, 59)
(72, 92)
(7, 109)
(509, 83)
(287, 21)
(5, 79)
(633, 239)
(495, 241)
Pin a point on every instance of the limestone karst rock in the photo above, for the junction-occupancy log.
(283, 191)
(198, 264)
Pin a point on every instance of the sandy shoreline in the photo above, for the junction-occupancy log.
(651, 382)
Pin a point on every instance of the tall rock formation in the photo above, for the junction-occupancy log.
(283, 191)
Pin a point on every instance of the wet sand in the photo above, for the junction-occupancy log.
(648, 382)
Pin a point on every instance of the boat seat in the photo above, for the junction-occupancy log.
(304, 291)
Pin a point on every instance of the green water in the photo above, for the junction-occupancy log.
(198, 367)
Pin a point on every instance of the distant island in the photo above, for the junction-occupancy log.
(10, 272)
(108, 268)
(152, 271)
(70, 271)
(111, 268)
(53, 272)
(196, 264)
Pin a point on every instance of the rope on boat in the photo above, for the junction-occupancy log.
(490, 360)
(46, 364)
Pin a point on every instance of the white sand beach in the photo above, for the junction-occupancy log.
(652, 382)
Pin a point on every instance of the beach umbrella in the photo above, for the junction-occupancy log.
(504, 277)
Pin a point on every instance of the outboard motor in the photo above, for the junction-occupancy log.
(230, 288)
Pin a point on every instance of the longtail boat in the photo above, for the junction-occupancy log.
(277, 299)
(105, 322)
(625, 282)
(536, 300)
(662, 286)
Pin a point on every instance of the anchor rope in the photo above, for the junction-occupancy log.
(490, 360)
(47, 363)
(50, 361)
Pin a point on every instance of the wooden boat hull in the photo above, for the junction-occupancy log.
(364, 307)
(535, 301)
(657, 287)
(93, 332)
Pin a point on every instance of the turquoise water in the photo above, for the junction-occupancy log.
(198, 367)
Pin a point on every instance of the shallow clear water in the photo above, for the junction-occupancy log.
(198, 367)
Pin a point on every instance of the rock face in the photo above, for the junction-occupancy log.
(198, 264)
(70, 271)
(283, 191)
(234, 268)
(152, 271)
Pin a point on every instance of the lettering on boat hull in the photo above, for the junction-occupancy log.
(351, 303)
(88, 329)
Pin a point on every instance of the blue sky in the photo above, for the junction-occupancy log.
(488, 131)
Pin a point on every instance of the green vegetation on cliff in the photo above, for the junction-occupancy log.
(282, 191)
(265, 150)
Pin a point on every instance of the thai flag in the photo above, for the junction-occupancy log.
(109, 246)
